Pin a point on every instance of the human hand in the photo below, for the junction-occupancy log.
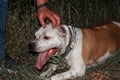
(44, 13)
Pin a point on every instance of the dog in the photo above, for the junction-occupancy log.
(81, 47)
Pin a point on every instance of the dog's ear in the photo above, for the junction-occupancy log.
(62, 30)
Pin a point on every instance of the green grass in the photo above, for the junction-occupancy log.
(22, 24)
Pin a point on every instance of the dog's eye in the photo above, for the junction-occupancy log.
(46, 37)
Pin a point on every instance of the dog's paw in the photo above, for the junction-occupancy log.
(56, 77)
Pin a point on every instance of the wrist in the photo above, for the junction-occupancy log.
(43, 5)
(39, 2)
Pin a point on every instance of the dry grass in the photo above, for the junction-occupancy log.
(22, 23)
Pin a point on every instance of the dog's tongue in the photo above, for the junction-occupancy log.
(44, 57)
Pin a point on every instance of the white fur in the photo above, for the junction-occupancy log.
(76, 63)
(101, 59)
(44, 45)
(116, 23)
(100, 27)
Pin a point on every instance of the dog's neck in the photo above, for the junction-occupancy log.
(70, 40)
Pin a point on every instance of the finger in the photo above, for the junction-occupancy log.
(57, 19)
(41, 20)
(52, 19)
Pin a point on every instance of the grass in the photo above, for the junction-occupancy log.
(22, 24)
(110, 70)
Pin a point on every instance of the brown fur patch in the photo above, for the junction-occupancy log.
(98, 40)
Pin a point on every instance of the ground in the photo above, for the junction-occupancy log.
(110, 70)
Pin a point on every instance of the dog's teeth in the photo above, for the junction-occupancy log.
(42, 58)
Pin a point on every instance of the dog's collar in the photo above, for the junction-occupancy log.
(61, 57)
(69, 47)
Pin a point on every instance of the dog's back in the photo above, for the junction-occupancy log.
(101, 39)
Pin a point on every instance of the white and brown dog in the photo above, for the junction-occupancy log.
(82, 47)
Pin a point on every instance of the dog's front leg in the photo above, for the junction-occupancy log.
(47, 73)
(76, 63)
(76, 71)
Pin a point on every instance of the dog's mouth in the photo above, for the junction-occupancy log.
(43, 57)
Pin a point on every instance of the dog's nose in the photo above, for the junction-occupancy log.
(31, 46)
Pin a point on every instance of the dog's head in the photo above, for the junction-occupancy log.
(48, 41)
(48, 38)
